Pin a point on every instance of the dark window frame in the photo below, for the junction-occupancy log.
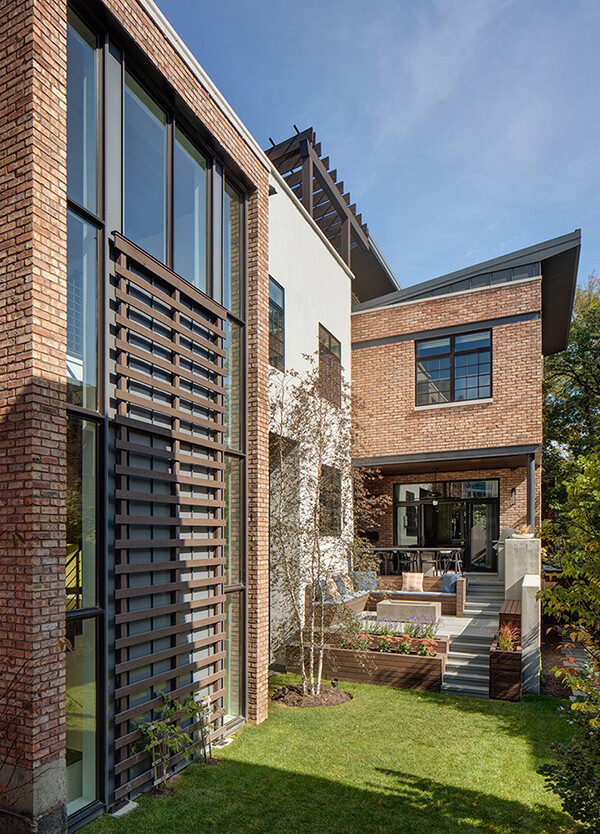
(451, 354)
(273, 305)
(111, 43)
(330, 510)
(330, 383)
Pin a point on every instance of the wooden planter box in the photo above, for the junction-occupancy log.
(404, 671)
(505, 673)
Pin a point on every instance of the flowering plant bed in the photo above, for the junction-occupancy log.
(403, 671)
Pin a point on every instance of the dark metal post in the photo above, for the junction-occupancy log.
(531, 490)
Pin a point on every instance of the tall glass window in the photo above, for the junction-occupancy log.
(80, 580)
(330, 501)
(145, 171)
(81, 594)
(82, 312)
(233, 520)
(233, 663)
(81, 713)
(81, 114)
(234, 413)
(330, 366)
(276, 325)
(232, 251)
(190, 196)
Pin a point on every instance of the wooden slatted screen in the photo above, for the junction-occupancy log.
(169, 525)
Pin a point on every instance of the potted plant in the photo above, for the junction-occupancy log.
(505, 665)
(522, 531)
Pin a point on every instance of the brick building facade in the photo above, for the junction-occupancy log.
(41, 296)
(447, 380)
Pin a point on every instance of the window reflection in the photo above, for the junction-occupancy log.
(145, 168)
(233, 663)
(81, 716)
(80, 579)
(82, 312)
(189, 212)
(81, 114)
(233, 386)
(232, 251)
(233, 520)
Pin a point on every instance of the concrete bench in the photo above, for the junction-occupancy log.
(405, 611)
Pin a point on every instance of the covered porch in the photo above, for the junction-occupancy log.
(449, 510)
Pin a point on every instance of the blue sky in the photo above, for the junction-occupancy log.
(463, 129)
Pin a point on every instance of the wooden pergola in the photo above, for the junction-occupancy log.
(299, 161)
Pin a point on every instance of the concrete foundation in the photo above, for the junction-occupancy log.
(37, 800)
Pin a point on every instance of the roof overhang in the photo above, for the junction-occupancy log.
(558, 261)
(459, 460)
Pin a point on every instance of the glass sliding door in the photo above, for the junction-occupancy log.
(483, 530)
(453, 514)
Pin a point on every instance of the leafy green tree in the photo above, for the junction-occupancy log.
(572, 395)
(574, 536)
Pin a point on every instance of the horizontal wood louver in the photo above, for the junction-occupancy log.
(168, 412)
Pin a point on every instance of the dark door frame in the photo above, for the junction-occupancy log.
(467, 504)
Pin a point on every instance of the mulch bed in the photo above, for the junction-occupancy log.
(552, 658)
(292, 696)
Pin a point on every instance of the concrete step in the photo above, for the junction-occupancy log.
(471, 690)
(485, 592)
(468, 661)
(483, 603)
(482, 613)
(475, 647)
(462, 678)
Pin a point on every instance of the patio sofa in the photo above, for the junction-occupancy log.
(453, 603)
(351, 590)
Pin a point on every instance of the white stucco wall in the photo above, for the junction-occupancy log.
(317, 285)
(318, 290)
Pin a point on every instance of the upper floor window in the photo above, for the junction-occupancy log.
(276, 325)
(145, 171)
(81, 114)
(190, 199)
(330, 366)
(454, 368)
(330, 501)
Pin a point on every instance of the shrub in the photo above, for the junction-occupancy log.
(575, 774)
(508, 638)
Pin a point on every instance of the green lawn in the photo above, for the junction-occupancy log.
(390, 761)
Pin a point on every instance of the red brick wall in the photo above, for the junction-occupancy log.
(383, 377)
(32, 366)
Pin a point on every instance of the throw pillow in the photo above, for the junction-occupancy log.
(449, 581)
(412, 582)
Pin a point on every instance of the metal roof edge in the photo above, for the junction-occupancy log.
(539, 252)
